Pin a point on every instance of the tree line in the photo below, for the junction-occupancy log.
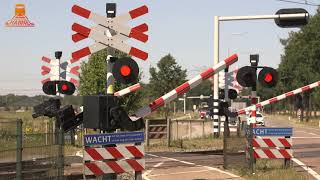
(299, 66)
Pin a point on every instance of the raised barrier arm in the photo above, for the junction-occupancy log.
(185, 87)
(127, 90)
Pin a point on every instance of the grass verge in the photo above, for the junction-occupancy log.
(266, 169)
(205, 143)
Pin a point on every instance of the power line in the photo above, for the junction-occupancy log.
(299, 2)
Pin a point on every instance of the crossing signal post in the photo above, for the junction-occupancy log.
(104, 112)
(283, 18)
(247, 77)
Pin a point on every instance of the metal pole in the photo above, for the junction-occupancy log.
(251, 158)
(254, 17)
(19, 150)
(226, 99)
(216, 82)
(137, 174)
(287, 160)
(109, 87)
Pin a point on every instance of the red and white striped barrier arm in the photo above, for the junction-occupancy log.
(120, 152)
(185, 87)
(267, 142)
(115, 23)
(272, 153)
(127, 90)
(100, 168)
(282, 96)
(114, 41)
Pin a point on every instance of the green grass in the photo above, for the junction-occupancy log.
(266, 169)
(37, 134)
(206, 143)
(313, 122)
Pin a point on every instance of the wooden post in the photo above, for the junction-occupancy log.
(19, 140)
(46, 129)
(168, 131)
(203, 129)
(147, 132)
(177, 130)
(238, 127)
(190, 131)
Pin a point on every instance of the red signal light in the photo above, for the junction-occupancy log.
(125, 70)
(64, 87)
(268, 77)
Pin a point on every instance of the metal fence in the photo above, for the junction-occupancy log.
(30, 151)
(234, 146)
(188, 129)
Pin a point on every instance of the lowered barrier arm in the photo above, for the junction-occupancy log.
(185, 87)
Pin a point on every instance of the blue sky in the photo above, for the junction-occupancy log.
(182, 28)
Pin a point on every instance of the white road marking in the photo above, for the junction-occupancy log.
(307, 168)
(144, 175)
(318, 137)
(313, 134)
(221, 171)
(300, 131)
(184, 172)
(189, 163)
(152, 155)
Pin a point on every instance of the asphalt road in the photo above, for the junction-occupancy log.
(185, 166)
(306, 145)
(173, 166)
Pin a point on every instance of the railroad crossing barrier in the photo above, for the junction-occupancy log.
(270, 143)
(280, 97)
(126, 159)
(113, 157)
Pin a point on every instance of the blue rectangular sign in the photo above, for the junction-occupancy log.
(113, 138)
(272, 131)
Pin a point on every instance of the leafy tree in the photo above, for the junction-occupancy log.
(301, 59)
(93, 79)
(203, 89)
(168, 76)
